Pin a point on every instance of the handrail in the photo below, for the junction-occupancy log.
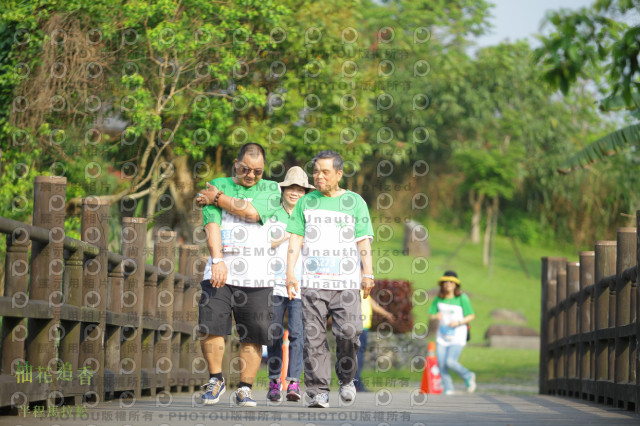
(590, 323)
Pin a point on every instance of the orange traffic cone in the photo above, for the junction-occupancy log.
(431, 381)
(285, 361)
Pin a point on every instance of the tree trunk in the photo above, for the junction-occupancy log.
(494, 227)
(487, 236)
(476, 201)
(152, 201)
(360, 181)
(492, 212)
(182, 190)
(218, 168)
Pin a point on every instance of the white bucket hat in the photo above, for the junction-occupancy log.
(296, 176)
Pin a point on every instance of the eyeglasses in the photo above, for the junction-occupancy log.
(244, 170)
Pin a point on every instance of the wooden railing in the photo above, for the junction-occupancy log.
(89, 324)
(590, 323)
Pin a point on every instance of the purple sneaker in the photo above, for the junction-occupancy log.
(293, 392)
(274, 391)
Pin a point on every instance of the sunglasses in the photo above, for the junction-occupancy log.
(244, 170)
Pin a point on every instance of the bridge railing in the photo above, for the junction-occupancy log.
(80, 323)
(590, 323)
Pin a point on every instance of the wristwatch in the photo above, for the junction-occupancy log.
(368, 276)
(216, 260)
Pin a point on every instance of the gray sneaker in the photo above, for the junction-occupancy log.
(347, 391)
(244, 398)
(320, 400)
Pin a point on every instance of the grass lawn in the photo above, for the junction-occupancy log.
(491, 365)
(509, 287)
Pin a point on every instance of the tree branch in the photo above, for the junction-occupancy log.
(111, 198)
(157, 158)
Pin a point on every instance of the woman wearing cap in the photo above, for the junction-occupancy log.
(453, 310)
(294, 186)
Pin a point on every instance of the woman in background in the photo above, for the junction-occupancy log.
(453, 310)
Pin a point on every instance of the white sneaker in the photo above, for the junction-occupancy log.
(347, 391)
(471, 383)
(450, 392)
(320, 400)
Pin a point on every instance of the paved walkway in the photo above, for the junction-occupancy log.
(401, 407)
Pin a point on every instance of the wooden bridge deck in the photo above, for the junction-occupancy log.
(398, 407)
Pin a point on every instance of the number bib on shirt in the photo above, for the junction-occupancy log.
(234, 240)
(323, 265)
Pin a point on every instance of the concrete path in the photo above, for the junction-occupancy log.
(399, 407)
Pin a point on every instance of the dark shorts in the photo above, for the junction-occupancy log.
(251, 307)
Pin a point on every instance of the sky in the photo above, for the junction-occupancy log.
(518, 19)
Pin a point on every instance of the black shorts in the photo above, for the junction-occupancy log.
(252, 309)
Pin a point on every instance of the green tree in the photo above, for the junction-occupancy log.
(169, 90)
(511, 131)
(416, 52)
(597, 43)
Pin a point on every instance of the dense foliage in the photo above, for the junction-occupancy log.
(142, 102)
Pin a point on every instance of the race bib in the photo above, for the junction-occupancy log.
(323, 266)
(447, 332)
(234, 240)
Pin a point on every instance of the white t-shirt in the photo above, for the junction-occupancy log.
(453, 309)
(245, 244)
(277, 263)
(332, 228)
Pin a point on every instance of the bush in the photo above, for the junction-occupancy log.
(394, 296)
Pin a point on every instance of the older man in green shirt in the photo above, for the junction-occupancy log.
(334, 226)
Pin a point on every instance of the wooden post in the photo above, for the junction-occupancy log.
(573, 288)
(176, 339)
(561, 348)
(16, 285)
(113, 332)
(16, 267)
(190, 348)
(636, 356)
(550, 266)
(626, 258)
(605, 259)
(70, 342)
(133, 242)
(46, 269)
(94, 287)
(164, 259)
(149, 335)
(587, 274)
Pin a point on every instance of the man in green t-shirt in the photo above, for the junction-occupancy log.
(236, 279)
(335, 228)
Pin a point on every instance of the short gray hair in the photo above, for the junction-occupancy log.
(337, 159)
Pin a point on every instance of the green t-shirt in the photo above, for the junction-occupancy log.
(462, 301)
(331, 227)
(264, 196)
(454, 309)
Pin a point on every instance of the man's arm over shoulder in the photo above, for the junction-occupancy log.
(263, 205)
